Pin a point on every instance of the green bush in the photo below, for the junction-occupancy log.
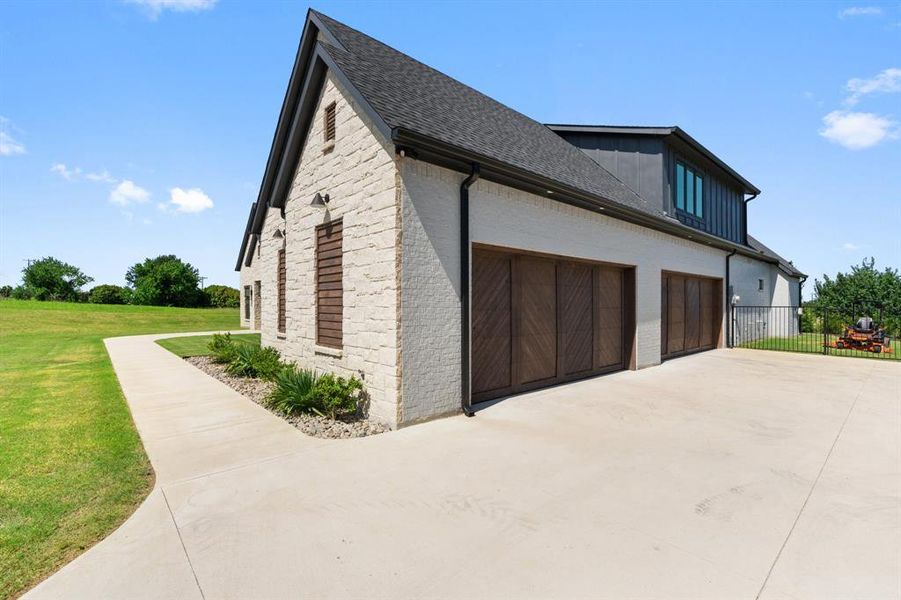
(20, 292)
(222, 348)
(6, 291)
(336, 396)
(293, 391)
(222, 296)
(253, 361)
(108, 294)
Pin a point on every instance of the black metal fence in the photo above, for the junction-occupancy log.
(850, 331)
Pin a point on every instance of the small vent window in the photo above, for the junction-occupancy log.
(760, 285)
(329, 127)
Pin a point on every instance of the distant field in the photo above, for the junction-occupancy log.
(198, 345)
(72, 467)
(813, 343)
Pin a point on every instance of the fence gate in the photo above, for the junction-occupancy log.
(862, 330)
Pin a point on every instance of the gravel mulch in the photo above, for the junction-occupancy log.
(315, 425)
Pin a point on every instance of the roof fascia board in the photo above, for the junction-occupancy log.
(251, 247)
(304, 50)
(300, 128)
(244, 239)
(441, 154)
(749, 187)
(618, 130)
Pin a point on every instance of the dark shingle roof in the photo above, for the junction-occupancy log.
(409, 95)
(786, 265)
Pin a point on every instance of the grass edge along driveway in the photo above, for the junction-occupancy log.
(198, 345)
(72, 467)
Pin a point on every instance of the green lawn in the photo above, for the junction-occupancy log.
(72, 467)
(813, 343)
(197, 345)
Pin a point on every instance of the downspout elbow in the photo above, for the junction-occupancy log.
(465, 309)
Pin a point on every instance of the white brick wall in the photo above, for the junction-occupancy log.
(507, 217)
(359, 175)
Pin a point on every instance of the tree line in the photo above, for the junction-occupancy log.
(162, 281)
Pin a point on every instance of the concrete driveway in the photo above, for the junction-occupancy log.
(730, 474)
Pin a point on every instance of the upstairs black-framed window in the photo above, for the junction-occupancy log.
(689, 190)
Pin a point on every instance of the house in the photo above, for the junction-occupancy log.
(449, 250)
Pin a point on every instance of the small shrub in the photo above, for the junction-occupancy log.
(293, 391)
(108, 294)
(222, 348)
(6, 291)
(253, 361)
(20, 292)
(336, 396)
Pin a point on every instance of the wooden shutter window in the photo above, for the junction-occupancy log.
(329, 284)
(329, 118)
(281, 290)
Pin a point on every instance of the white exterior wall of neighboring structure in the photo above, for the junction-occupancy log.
(359, 174)
(767, 312)
(507, 217)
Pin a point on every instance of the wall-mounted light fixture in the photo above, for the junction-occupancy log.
(319, 200)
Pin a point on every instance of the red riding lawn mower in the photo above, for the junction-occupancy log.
(865, 336)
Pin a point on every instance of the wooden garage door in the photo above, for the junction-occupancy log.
(691, 315)
(540, 320)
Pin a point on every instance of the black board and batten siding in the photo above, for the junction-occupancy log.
(723, 203)
(647, 164)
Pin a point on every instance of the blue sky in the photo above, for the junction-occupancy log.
(132, 129)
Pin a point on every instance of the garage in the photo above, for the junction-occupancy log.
(691, 314)
(538, 320)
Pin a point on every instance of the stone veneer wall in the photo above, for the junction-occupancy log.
(504, 216)
(248, 276)
(359, 174)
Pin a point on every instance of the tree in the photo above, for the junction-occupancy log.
(109, 294)
(864, 288)
(52, 279)
(6, 291)
(222, 296)
(165, 281)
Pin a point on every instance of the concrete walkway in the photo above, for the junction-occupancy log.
(730, 474)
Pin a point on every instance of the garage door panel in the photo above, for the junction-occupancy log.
(676, 315)
(576, 322)
(609, 317)
(537, 319)
(708, 314)
(692, 313)
(491, 322)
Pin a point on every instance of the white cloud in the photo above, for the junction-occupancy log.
(128, 193)
(65, 172)
(155, 7)
(850, 247)
(192, 200)
(77, 174)
(886, 82)
(857, 130)
(860, 11)
(101, 177)
(9, 146)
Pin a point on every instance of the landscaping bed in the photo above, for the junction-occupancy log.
(319, 404)
(312, 424)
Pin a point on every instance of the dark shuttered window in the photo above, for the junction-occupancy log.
(329, 285)
(281, 290)
(247, 297)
